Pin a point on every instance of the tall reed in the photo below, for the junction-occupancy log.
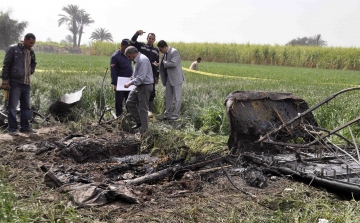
(275, 55)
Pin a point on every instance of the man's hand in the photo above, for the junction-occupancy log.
(156, 80)
(114, 87)
(5, 85)
(140, 32)
(155, 63)
(127, 85)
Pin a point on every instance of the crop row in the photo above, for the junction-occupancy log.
(276, 55)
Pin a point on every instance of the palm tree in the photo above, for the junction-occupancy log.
(101, 34)
(71, 19)
(83, 20)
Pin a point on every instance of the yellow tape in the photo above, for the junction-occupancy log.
(227, 76)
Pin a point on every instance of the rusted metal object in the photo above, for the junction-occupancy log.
(268, 120)
(306, 113)
(253, 114)
(340, 175)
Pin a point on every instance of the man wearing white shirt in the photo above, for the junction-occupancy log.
(195, 64)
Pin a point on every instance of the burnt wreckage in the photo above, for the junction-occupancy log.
(59, 109)
(271, 132)
(278, 131)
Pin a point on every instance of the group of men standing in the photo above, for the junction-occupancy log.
(20, 62)
(145, 75)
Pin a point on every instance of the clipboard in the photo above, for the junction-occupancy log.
(120, 84)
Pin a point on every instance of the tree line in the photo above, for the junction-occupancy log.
(74, 18)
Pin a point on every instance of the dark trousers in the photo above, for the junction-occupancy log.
(120, 98)
(138, 105)
(153, 94)
(19, 92)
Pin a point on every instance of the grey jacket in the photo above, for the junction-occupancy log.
(172, 68)
(14, 64)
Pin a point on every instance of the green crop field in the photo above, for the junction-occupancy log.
(204, 95)
(203, 122)
(292, 56)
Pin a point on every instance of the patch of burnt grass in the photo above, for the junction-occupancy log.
(166, 140)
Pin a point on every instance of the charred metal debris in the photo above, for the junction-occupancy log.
(278, 132)
(272, 134)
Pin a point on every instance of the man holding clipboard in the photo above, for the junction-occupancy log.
(143, 79)
(120, 66)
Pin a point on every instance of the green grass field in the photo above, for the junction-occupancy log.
(203, 95)
(59, 74)
(204, 123)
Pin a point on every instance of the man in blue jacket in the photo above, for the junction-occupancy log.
(120, 67)
(19, 64)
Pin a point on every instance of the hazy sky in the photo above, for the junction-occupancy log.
(222, 21)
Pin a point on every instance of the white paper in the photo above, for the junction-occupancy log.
(120, 84)
(72, 97)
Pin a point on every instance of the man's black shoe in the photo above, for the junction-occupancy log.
(28, 130)
(136, 126)
(163, 118)
(13, 133)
